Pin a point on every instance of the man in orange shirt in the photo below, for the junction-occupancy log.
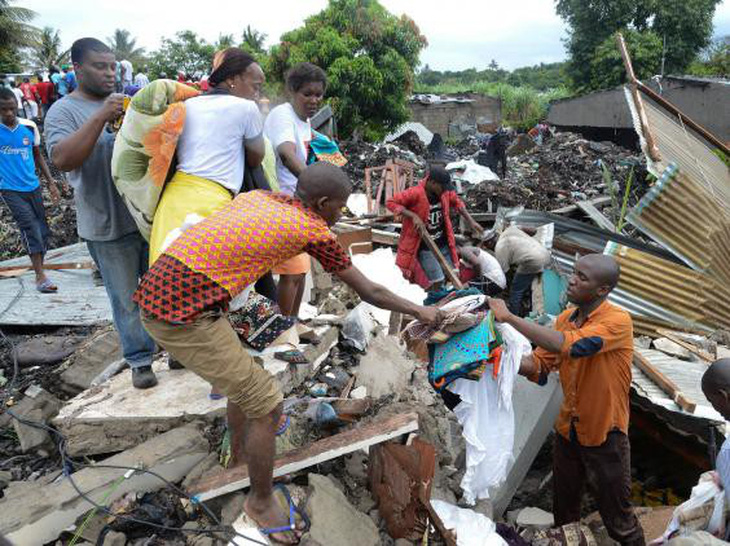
(592, 346)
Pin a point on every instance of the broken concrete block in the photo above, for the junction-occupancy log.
(31, 438)
(89, 360)
(671, 348)
(37, 514)
(40, 406)
(535, 518)
(113, 538)
(46, 349)
(359, 393)
(385, 369)
(116, 416)
(334, 519)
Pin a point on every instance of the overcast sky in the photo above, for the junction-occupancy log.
(461, 33)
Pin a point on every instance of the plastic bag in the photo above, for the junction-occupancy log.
(472, 529)
(357, 327)
(705, 492)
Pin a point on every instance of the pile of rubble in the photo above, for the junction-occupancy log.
(564, 169)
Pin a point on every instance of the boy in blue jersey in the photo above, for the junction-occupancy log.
(19, 185)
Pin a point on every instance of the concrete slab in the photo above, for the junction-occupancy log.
(385, 369)
(115, 416)
(536, 409)
(89, 360)
(36, 515)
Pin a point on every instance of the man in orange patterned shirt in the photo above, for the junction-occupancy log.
(185, 294)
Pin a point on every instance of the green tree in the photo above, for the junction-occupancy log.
(187, 52)
(370, 57)
(125, 47)
(16, 33)
(46, 51)
(686, 25)
(253, 41)
(714, 60)
(607, 67)
(224, 42)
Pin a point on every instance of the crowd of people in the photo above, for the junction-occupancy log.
(264, 205)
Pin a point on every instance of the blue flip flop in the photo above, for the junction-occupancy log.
(284, 426)
(294, 511)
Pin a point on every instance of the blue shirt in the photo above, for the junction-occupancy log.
(17, 166)
(59, 80)
(71, 81)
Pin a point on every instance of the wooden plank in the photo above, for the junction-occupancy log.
(663, 382)
(594, 214)
(376, 432)
(450, 274)
(691, 347)
(69, 265)
(596, 202)
(634, 87)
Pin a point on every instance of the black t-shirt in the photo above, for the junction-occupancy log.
(435, 222)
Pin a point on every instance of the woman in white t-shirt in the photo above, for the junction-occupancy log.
(222, 136)
(289, 130)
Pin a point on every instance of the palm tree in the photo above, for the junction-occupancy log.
(15, 30)
(46, 51)
(253, 40)
(125, 47)
(224, 42)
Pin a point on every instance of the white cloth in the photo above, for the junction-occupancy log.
(517, 248)
(472, 528)
(19, 96)
(490, 268)
(141, 80)
(487, 418)
(284, 125)
(127, 73)
(212, 142)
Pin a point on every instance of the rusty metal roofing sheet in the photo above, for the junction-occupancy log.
(698, 297)
(78, 302)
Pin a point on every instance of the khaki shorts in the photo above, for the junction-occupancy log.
(211, 348)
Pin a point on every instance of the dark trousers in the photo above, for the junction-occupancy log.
(609, 466)
(521, 284)
(28, 212)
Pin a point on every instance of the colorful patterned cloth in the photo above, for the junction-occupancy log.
(466, 355)
(216, 259)
(145, 147)
(259, 321)
(322, 148)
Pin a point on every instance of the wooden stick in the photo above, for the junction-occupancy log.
(663, 382)
(672, 336)
(453, 277)
(68, 265)
(696, 127)
(376, 432)
(633, 85)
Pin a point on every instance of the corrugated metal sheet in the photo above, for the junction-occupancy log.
(78, 302)
(688, 210)
(647, 315)
(697, 297)
(686, 375)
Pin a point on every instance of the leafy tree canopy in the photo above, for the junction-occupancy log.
(369, 55)
(686, 25)
(47, 51)
(186, 52)
(124, 47)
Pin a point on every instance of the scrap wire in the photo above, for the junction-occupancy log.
(68, 464)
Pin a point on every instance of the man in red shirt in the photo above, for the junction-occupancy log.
(426, 208)
(29, 97)
(45, 91)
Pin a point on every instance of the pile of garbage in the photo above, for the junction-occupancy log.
(564, 169)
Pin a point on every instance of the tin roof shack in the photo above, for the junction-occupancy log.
(455, 116)
(604, 115)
